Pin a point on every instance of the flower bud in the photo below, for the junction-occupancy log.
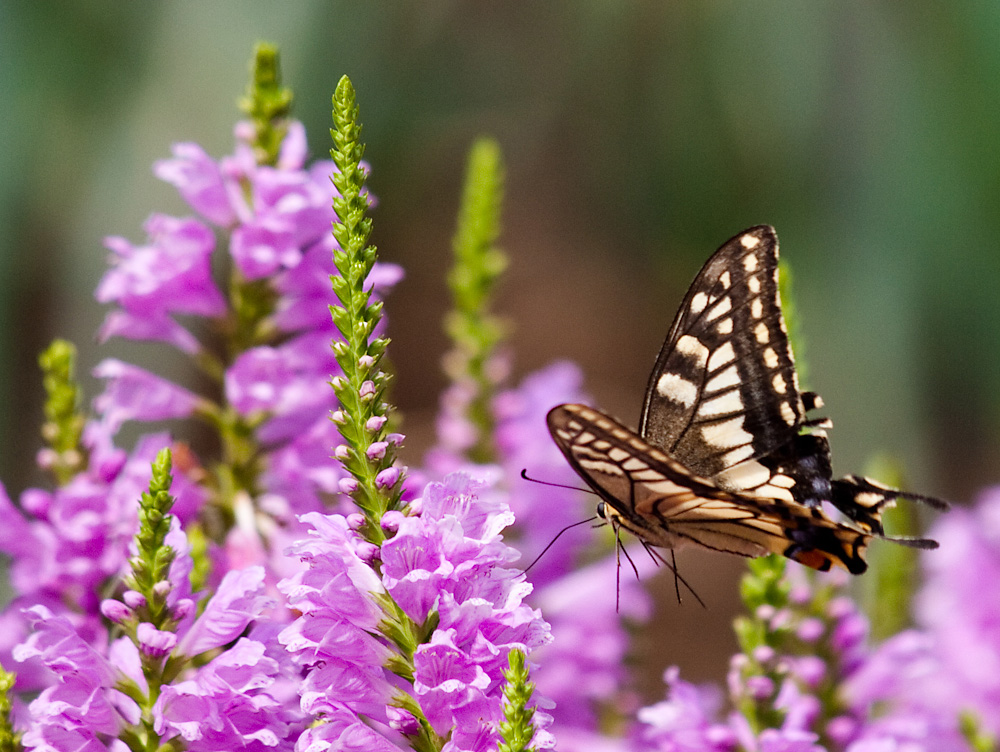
(115, 611)
(377, 450)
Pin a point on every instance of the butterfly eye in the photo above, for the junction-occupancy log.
(601, 510)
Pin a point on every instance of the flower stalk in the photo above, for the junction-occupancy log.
(516, 729)
(369, 451)
(64, 456)
(10, 740)
(473, 364)
(268, 104)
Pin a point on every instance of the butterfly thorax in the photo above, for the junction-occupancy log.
(654, 533)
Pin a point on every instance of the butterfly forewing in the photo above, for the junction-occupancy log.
(658, 499)
(724, 391)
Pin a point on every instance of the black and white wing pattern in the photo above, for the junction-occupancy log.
(659, 500)
(724, 400)
(725, 455)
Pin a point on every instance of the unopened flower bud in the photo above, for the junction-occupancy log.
(163, 588)
(115, 611)
(375, 422)
(377, 450)
(46, 458)
(347, 485)
(387, 478)
(402, 720)
(183, 608)
(391, 520)
(810, 630)
(760, 687)
(368, 552)
(134, 599)
(154, 642)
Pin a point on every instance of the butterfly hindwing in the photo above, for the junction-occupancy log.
(662, 502)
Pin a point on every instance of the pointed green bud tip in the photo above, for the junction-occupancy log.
(517, 730)
(344, 91)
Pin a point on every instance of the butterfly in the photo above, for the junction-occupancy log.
(726, 457)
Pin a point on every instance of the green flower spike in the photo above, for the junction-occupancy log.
(368, 454)
(65, 456)
(516, 730)
(474, 332)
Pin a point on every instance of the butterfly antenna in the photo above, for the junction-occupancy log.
(678, 577)
(939, 504)
(575, 524)
(524, 474)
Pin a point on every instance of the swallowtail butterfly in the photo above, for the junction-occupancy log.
(725, 456)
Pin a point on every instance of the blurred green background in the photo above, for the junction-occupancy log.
(638, 136)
